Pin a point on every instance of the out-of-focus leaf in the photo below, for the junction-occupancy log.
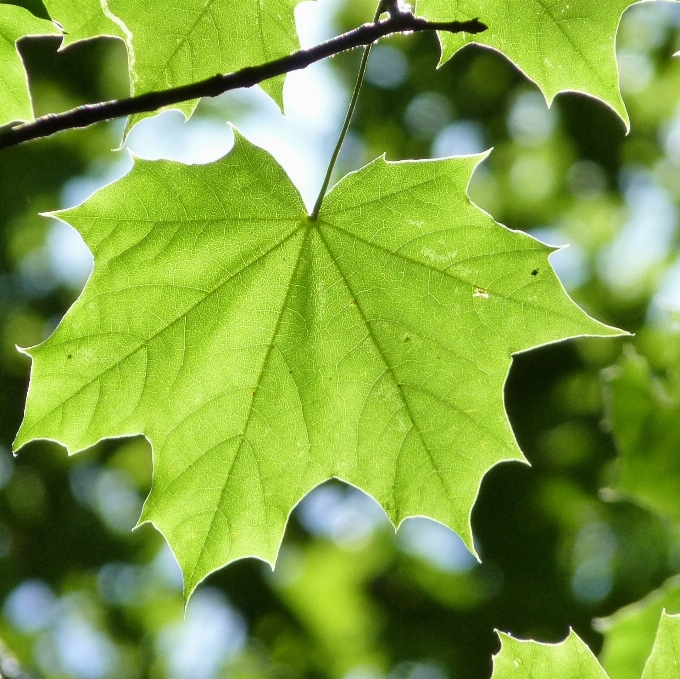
(645, 419)
(84, 19)
(324, 577)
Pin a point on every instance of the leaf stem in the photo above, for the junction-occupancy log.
(346, 124)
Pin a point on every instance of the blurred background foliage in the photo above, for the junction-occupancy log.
(577, 535)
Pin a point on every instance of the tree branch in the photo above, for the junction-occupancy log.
(216, 85)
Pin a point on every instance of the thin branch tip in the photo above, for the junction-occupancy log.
(150, 102)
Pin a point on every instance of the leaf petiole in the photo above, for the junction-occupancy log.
(348, 120)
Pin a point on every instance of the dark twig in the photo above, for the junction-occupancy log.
(216, 85)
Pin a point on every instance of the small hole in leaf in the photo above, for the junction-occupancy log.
(534, 272)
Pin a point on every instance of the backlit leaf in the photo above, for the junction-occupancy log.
(572, 659)
(562, 45)
(15, 98)
(170, 46)
(664, 663)
(263, 353)
(84, 19)
(629, 633)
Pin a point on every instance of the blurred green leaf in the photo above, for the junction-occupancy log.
(325, 577)
(644, 414)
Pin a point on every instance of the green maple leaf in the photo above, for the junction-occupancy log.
(262, 353)
(173, 46)
(644, 415)
(629, 633)
(572, 659)
(15, 98)
(84, 19)
(569, 659)
(664, 662)
(562, 45)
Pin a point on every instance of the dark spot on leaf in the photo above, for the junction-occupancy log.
(70, 356)
(407, 338)
(534, 272)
